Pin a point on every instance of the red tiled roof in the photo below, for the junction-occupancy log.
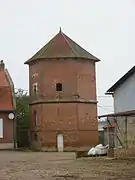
(6, 99)
(3, 79)
(61, 46)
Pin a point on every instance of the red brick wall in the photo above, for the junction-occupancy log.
(86, 80)
(55, 116)
(7, 129)
(87, 117)
(77, 76)
(76, 121)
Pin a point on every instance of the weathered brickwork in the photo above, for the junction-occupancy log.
(72, 111)
(7, 128)
(76, 121)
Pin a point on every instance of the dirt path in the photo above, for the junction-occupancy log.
(60, 166)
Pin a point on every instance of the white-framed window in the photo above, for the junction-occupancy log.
(35, 88)
(1, 128)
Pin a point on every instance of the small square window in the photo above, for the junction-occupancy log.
(58, 87)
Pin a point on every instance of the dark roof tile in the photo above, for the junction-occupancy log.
(61, 46)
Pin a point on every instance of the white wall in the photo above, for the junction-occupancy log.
(124, 96)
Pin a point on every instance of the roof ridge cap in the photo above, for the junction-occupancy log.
(69, 43)
(46, 46)
(81, 47)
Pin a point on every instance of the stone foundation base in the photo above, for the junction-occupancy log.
(124, 153)
(37, 147)
(6, 146)
(110, 153)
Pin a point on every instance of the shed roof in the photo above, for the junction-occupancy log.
(61, 46)
(125, 113)
(121, 81)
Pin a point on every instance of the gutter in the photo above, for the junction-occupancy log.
(7, 110)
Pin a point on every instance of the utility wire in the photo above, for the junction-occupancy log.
(106, 109)
(107, 106)
(104, 96)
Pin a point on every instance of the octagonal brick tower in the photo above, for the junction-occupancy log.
(62, 85)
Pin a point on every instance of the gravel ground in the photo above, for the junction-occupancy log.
(60, 166)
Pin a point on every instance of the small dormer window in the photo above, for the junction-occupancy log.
(59, 87)
(35, 88)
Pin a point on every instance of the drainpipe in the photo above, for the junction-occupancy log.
(14, 130)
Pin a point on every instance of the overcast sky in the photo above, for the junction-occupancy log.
(106, 28)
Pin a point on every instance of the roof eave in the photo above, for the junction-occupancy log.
(97, 60)
(109, 93)
(27, 62)
(7, 110)
(118, 114)
(112, 89)
(32, 60)
(115, 86)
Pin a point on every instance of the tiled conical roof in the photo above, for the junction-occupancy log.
(61, 46)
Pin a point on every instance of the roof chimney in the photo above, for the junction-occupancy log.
(2, 65)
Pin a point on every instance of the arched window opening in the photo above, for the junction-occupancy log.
(35, 118)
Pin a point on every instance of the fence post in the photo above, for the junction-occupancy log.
(126, 143)
(115, 131)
